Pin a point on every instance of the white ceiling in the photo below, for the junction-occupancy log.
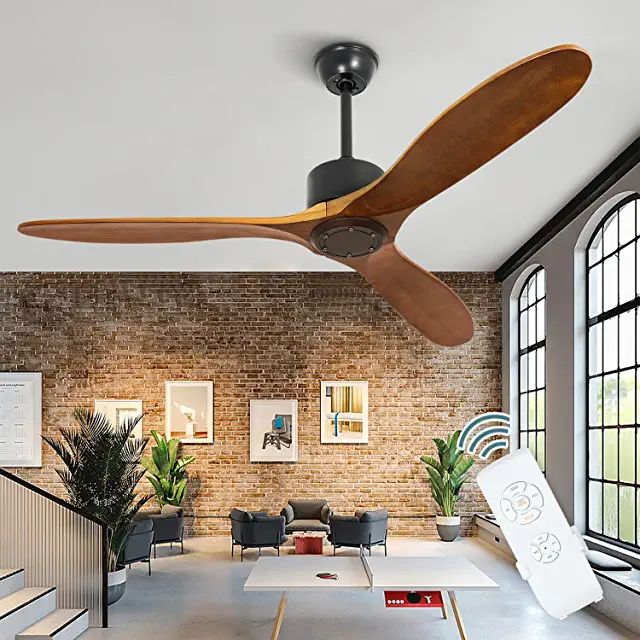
(198, 107)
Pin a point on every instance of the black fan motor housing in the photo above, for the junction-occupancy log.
(336, 178)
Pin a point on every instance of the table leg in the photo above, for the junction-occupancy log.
(458, 617)
(279, 616)
(445, 615)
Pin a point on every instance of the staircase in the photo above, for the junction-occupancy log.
(29, 613)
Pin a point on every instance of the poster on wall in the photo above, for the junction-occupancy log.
(20, 419)
(117, 411)
(273, 431)
(344, 412)
(189, 411)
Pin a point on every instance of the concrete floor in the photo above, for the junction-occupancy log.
(199, 595)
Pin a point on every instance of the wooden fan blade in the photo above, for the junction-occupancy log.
(475, 129)
(418, 296)
(295, 228)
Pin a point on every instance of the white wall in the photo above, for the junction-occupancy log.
(564, 260)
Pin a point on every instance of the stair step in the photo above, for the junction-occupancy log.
(23, 608)
(62, 624)
(11, 580)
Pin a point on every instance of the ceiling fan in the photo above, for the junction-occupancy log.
(355, 209)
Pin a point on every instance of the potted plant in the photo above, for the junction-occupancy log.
(447, 475)
(167, 470)
(101, 473)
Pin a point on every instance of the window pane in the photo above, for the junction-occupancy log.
(627, 222)
(532, 325)
(523, 413)
(595, 402)
(627, 514)
(610, 235)
(627, 455)
(595, 453)
(540, 283)
(524, 300)
(610, 510)
(610, 399)
(540, 321)
(595, 348)
(610, 283)
(524, 331)
(595, 248)
(540, 358)
(531, 422)
(611, 344)
(531, 358)
(540, 400)
(523, 372)
(627, 393)
(610, 454)
(540, 449)
(595, 507)
(627, 331)
(627, 273)
(595, 290)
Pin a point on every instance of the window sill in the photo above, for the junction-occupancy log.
(611, 549)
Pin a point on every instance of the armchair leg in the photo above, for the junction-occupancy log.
(232, 548)
(181, 546)
(149, 561)
(241, 554)
(155, 550)
(334, 549)
(385, 549)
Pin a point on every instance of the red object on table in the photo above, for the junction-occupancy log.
(308, 544)
(400, 599)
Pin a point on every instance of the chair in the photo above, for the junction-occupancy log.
(306, 515)
(168, 526)
(280, 434)
(254, 530)
(363, 530)
(138, 545)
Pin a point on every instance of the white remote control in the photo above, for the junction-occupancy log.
(549, 553)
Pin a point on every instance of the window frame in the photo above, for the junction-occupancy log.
(617, 311)
(524, 351)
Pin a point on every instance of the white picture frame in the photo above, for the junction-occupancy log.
(349, 422)
(189, 411)
(20, 419)
(118, 410)
(273, 430)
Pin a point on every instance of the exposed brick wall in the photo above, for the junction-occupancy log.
(260, 335)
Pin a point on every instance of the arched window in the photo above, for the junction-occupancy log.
(532, 364)
(613, 272)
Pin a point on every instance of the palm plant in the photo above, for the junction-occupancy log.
(448, 473)
(167, 469)
(102, 471)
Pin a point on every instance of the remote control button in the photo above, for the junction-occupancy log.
(534, 495)
(521, 502)
(545, 548)
(529, 516)
(536, 553)
(508, 510)
(514, 489)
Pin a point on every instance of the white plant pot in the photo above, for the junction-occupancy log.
(116, 584)
(448, 527)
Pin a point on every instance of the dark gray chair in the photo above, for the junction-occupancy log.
(306, 515)
(255, 530)
(168, 526)
(138, 545)
(364, 530)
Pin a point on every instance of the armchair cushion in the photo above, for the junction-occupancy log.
(325, 513)
(300, 524)
(287, 512)
(240, 516)
(307, 509)
(374, 516)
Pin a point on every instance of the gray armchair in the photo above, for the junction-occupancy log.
(306, 515)
(364, 530)
(138, 545)
(168, 526)
(255, 530)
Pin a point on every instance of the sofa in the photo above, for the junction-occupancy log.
(255, 530)
(139, 541)
(306, 515)
(363, 530)
(168, 526)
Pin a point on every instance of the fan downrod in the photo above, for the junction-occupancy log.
(345, 70)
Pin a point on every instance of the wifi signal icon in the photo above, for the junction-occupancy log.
(470, 443)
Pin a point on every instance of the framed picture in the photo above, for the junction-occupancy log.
(344, 412)
(273, 430)
(20, 419)
(119, 410)
(189, 411)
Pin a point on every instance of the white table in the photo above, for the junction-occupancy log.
(433, 573)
